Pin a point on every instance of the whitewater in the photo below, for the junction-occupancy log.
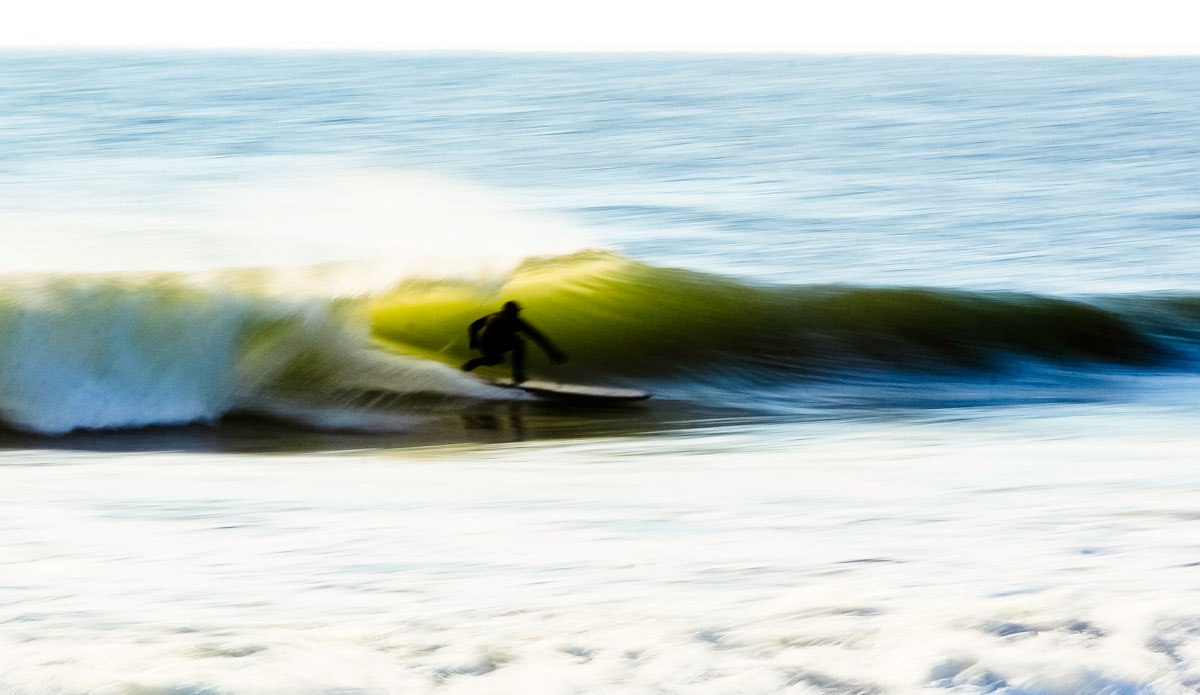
(923, 335)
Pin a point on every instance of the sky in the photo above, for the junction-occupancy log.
(1038, 27)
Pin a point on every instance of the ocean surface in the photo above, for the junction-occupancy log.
(923, 334)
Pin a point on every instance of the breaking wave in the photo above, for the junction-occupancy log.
(114, 351)
(623, 319)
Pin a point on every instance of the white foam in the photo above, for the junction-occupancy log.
(111, 352)
(832, 557)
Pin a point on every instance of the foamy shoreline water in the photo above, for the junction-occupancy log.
(1044, 552)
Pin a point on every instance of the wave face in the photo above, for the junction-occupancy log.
(619, 318)
(116, 351)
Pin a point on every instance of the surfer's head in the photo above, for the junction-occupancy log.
(511, 307)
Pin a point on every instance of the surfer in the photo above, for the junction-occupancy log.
(496, 334)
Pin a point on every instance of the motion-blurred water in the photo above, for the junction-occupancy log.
(1060, 175)
(922, 330)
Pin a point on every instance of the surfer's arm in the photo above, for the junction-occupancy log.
(544, 343)
(473, 330)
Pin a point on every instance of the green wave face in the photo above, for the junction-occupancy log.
(621, 318)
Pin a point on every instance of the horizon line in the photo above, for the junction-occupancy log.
(249, 49)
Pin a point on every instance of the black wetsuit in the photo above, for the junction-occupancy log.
(496, 334)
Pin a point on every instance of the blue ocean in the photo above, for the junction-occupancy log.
(922, 333)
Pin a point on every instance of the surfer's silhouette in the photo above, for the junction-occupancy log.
(496, 334)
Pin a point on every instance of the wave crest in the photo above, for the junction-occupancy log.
(112, 351)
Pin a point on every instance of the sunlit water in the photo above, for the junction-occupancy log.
(892, 534)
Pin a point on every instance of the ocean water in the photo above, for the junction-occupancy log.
(922, 333)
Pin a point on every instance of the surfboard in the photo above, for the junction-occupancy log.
(574, 393)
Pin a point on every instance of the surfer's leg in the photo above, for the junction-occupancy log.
(518, 362)
(485, 361)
